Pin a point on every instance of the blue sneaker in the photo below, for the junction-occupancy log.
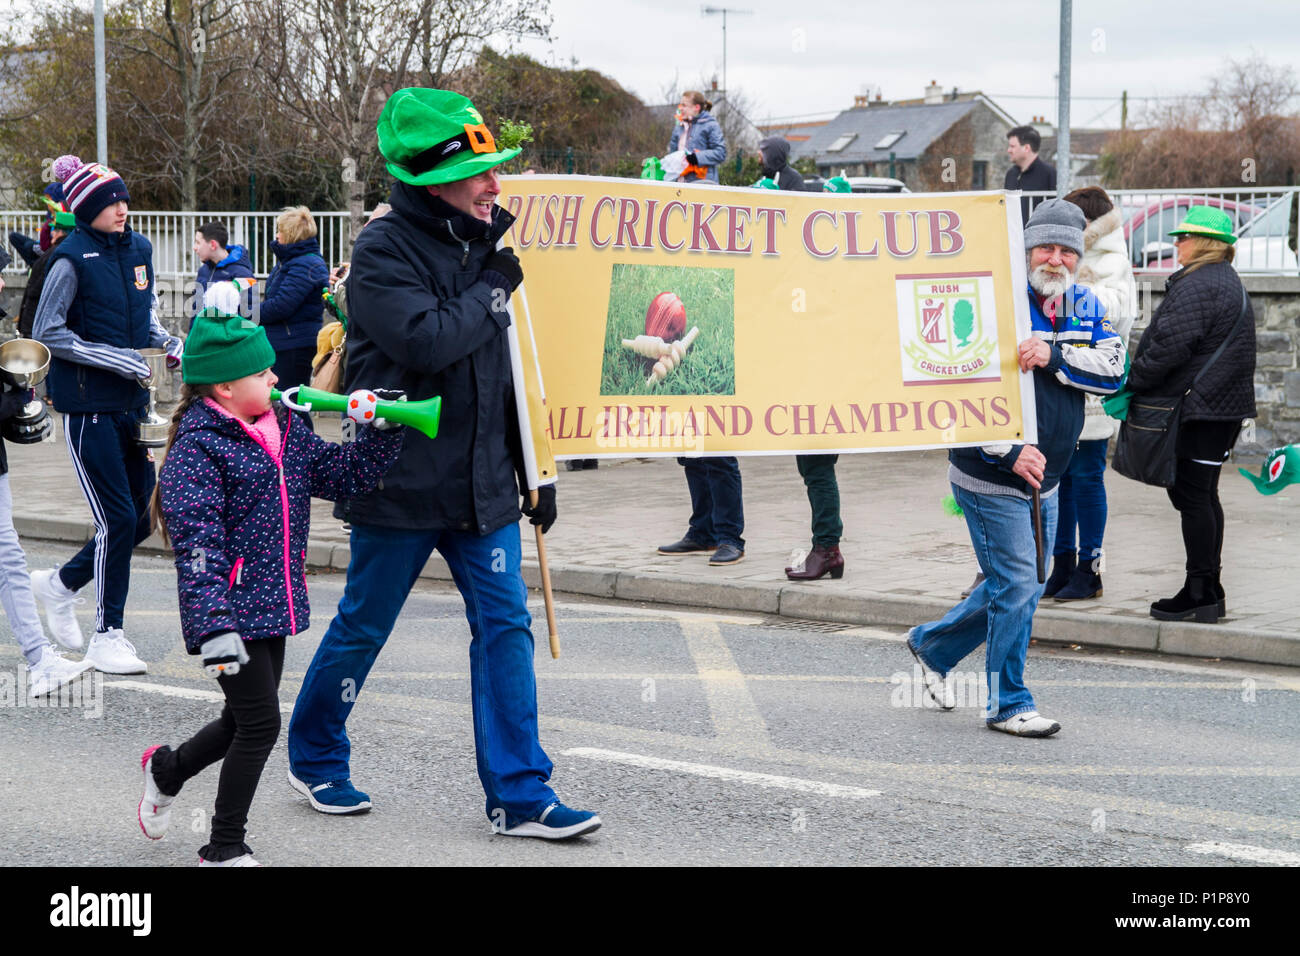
(336, 796)
(556, 822)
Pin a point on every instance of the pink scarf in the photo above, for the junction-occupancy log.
(265, 430)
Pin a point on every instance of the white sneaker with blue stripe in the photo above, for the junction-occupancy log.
(556, 822)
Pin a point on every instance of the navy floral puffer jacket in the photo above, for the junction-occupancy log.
(238, 522)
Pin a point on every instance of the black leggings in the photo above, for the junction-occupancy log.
(244, 734)
(1196, 492)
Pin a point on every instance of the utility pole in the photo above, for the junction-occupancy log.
(706, 11)
(1123, 110)
(101, 93)
(1063, 105)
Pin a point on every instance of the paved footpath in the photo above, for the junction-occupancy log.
(906, 560)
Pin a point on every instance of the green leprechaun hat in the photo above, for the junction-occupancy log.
(1206, 221)
(1281, 468)
(436, 136)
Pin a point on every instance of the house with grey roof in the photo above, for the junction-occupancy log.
(941, 142)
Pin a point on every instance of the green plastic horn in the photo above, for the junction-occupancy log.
(364, 406)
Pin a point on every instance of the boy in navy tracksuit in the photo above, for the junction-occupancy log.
(95, 313)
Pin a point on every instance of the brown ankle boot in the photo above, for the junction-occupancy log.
(819, 562)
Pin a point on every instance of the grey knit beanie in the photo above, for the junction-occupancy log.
(1055, 221)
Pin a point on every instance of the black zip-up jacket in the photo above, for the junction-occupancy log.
(1199, 311)
(421, 320)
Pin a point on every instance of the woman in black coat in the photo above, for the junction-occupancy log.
(1204, 305)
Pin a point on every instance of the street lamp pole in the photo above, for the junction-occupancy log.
(101, 94)
(706, 11)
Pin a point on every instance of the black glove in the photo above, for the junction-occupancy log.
(692, 159)
(544, 514)
(503, 270)
(388, 395)
(13, 400)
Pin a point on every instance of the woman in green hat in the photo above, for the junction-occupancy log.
(1205, 306)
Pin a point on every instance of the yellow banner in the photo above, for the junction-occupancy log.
(689, 319)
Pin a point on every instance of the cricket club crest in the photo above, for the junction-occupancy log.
(947, 328)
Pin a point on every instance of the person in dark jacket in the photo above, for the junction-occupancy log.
(234, 499)
(218, 261)
(1028, 173)
(1204, 305)
(64, 223)
(817, 471)
(1072, 350)
(95, 314)
(427, 298)
(291, 308)
(699, 134)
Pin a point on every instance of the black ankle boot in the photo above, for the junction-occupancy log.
(1220, 596)
(1063, 566)
(1196, 600)
(1085, 583)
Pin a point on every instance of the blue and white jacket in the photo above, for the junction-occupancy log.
(1087, 357)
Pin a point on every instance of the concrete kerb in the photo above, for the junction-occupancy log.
(804, 602)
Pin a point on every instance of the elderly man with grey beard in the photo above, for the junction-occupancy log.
(1072, 349)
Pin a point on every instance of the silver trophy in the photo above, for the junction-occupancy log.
(24, 363)
(151, 430)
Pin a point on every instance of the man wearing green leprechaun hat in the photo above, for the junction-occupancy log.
(427, 298)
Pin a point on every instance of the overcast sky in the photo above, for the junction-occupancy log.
(795, 58)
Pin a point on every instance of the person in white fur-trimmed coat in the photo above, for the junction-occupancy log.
(1106, 271)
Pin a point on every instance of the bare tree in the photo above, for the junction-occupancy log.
(195, 51)
(333, 63)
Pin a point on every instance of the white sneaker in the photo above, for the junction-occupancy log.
(245, 860)
(52, 671)
(1028, 724)
(60, 608)
(155, 810)
(939, 688)
(112, 653)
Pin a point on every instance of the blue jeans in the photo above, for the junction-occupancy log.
(1083, 501)
(717, 512)
(999, 613)
(385, 563)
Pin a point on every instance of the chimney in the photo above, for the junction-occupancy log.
(933, 93)
(860, 100)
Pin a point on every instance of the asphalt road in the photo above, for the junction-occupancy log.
(701, 738)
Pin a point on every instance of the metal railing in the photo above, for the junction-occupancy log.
(172, 235)
(1264, 220)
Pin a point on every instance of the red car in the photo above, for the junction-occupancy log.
(1149, 218)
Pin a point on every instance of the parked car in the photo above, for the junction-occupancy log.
(1263, 244)
(876, 184)
(1147, 223)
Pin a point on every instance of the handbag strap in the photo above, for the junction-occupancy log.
(1222, 345)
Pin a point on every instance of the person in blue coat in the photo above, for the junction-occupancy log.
(699, 134)
(218, 261)
(291, 307)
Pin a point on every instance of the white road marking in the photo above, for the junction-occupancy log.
(1244, 851)
(187, 693)
(766, 780)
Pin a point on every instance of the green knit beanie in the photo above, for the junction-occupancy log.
(222, 347)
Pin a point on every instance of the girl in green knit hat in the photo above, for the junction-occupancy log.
(233, 497)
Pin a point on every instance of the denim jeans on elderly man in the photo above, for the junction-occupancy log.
(999, 612)
(385, 563)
